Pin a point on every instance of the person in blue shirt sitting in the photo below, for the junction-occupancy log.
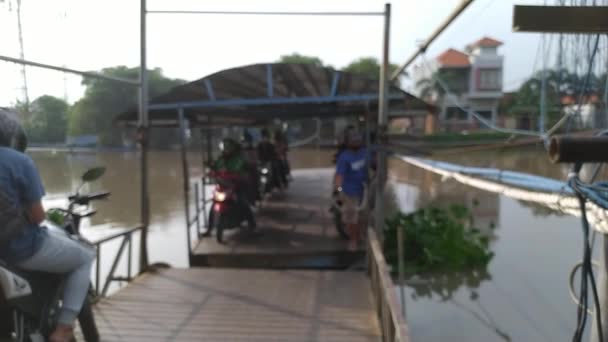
(351, 177)
(35, 248)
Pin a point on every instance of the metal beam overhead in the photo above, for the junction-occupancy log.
(431, 39)
(269, 82)
(269, 101)
(68, 70)
(268, 13)
(560, 19)
(209, 87)
(334, 83)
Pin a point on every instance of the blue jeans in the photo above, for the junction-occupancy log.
(63, 255)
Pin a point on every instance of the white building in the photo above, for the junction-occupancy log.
(473, 79)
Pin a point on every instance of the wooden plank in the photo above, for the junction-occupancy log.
(241, 305)
(564, 19)
(383, 287)
(295, 230)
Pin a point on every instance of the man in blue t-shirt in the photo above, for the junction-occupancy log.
(36, 248)
(351, 176)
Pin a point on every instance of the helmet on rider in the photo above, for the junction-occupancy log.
(247, 139)
(11, 132)
(229, 147)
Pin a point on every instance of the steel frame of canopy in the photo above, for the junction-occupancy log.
(382, 97)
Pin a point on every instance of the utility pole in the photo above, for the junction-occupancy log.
(543, 89)
(26, 96)
(382, 124)
(142, 135)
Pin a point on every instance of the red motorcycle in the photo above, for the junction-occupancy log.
(230, 207)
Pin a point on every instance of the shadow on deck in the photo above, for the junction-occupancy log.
(295, 230)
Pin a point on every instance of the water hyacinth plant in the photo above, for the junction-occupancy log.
(436, 239)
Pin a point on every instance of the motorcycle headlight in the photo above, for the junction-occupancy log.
(219, 196)
(264, 170)
(264, 179)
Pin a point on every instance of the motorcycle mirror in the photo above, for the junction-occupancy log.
(93, 174)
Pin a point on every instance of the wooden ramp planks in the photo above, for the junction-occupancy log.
(241, 305)
(295, 230)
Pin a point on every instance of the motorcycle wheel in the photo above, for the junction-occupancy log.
(338, 222)
(219, 230)
(87, 322)
(20, 328)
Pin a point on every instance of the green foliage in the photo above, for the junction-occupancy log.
(46, 120)
(103, 99)
(296, 58)
(437, 240)
(558, 82)
(433, 86)
(480, 136)
(55, 216)
(368, 67)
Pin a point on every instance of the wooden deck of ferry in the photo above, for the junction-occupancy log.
(293, 280)
(295, 230)
(202, 304)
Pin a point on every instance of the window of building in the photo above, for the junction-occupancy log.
(455, 113)
(489, 79)
(486, 114)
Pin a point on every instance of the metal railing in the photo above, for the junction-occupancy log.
(101, 289)
(200, 204)
(392, 322)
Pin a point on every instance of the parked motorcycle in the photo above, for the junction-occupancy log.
(34, 298)
(228, 210)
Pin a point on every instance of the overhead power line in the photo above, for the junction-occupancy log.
(68, 70)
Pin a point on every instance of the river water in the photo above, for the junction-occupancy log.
(521, 296)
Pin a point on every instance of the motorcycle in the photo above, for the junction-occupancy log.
(228, 210)
(34, 298)
(335, 209)
(269, 178)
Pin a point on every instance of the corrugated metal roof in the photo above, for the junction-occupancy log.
(242, 96)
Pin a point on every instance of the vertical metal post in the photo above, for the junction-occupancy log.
(186, 174)
(130, 257)
(97, 270)
(143, 140)
(602, 288)
(197, 208)
(382, 123)
(204, 180)
(543, 90)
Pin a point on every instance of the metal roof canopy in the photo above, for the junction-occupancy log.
(259, 93)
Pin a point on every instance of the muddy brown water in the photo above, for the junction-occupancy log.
(521, 296)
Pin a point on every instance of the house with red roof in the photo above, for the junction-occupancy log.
(463, 84)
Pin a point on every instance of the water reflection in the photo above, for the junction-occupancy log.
(509, 299)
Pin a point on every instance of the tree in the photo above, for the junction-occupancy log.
(103, 99)
(433, 87)
(47, 120)
(296, 58)
(368, 67)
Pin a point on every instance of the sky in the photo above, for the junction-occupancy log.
(93, 34)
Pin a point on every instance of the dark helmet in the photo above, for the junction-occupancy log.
(229, 146)
(11, 132)
(247, 138)
(265, 133)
